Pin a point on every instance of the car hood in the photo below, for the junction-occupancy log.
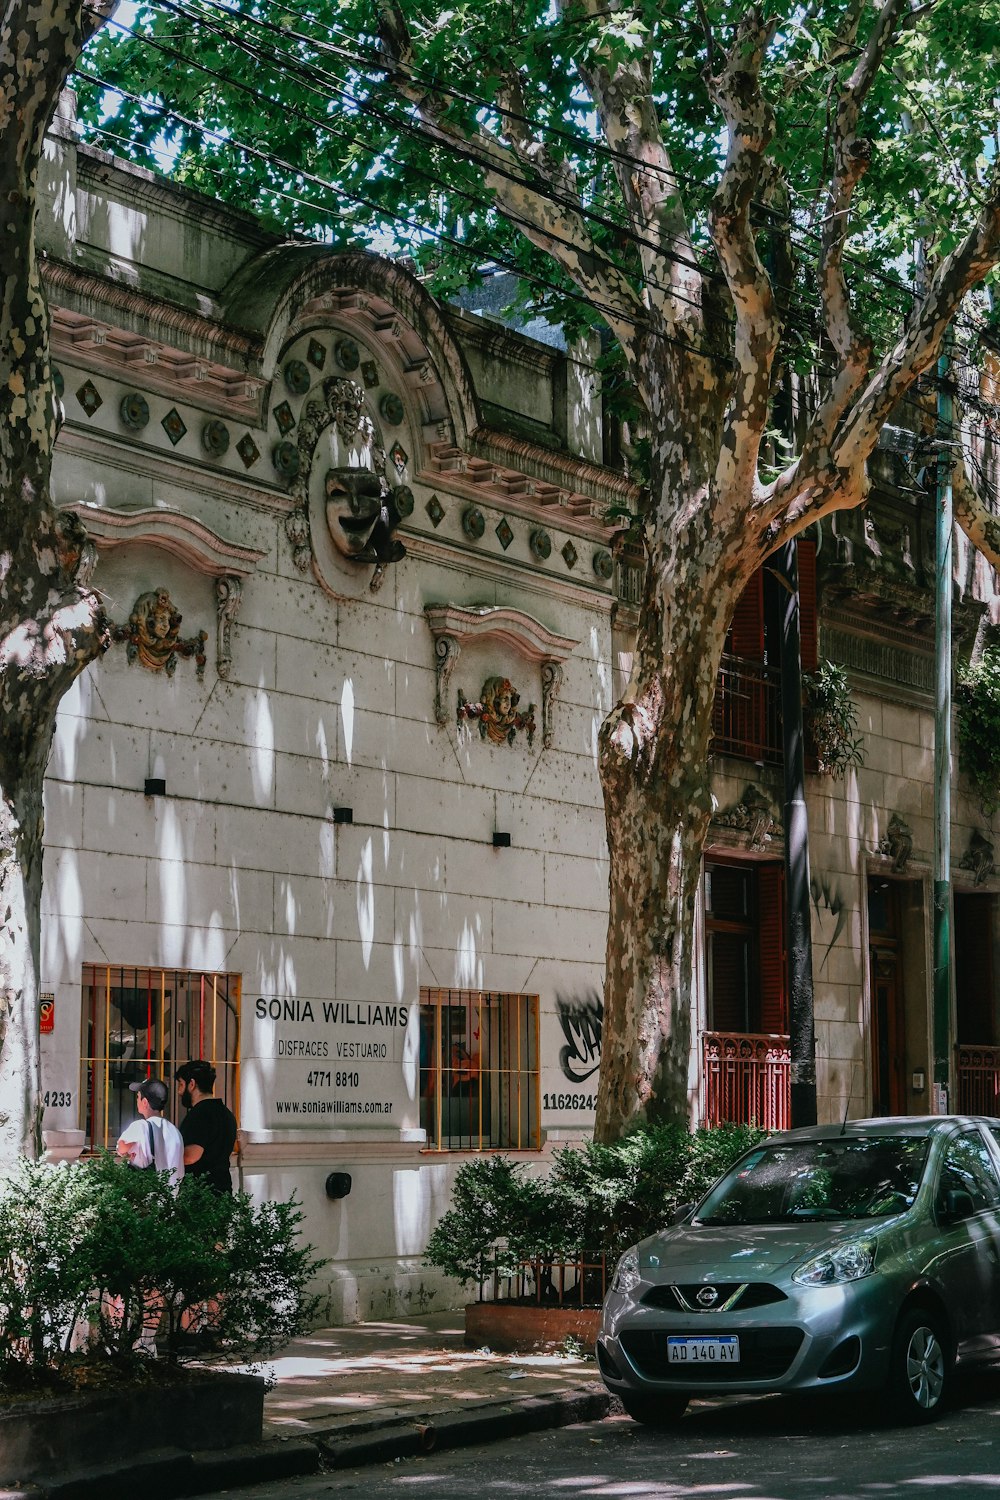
(745, 1252)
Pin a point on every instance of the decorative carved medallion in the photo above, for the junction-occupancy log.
(898, 843)
(152, 636)
(215, 438)
(978, 858)
(753, 813)
(540, 544)
(497, 712)
(134, 411)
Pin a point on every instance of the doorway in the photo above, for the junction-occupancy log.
(898, 1019)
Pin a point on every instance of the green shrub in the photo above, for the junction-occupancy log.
(831, 720)
(96, 1244)
(596, 1200)
(977, 702)
(500, 1217)
(44, 1214)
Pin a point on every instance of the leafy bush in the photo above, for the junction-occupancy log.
(596, 1200)
(977, 699)
(101, 1247)
(831, 720)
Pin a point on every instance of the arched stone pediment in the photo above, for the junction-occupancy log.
(292, 288)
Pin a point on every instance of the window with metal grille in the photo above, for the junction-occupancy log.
(145, 1022)
(479, 1078)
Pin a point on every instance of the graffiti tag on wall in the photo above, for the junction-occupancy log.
(580, 1017)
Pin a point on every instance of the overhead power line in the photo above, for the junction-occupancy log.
(480, 253)
(407, 125)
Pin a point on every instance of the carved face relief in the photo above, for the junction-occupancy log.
(152, 635)
(498, 713)
(347, 400)
(353, 507)
(157, 627)
(361, 516)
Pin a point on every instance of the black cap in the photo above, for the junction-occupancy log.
(153, 1090)
(198, 1071)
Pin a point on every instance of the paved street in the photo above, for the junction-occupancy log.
(766, 1449)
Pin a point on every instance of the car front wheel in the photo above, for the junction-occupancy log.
(654, 1411)
(920, 1373)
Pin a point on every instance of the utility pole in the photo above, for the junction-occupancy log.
(798, 926)
(942, 737)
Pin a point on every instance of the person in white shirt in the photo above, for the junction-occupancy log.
(151, 1140)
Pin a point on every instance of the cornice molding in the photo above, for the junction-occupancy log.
(192, 541)
(513, 627)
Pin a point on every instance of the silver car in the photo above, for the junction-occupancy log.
(855, 1257)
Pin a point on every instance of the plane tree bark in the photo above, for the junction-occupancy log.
(51, 623)
(700, 336)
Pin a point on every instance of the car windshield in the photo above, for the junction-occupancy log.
(856, 1178)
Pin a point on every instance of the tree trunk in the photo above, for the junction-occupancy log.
(51, 623)
(21, 825)
(654, 763)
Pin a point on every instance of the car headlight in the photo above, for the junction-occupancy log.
(627, 1276)
(848, 1262)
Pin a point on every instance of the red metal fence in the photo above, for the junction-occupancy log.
(978, 1078)
(746, 719)
(746, 1079)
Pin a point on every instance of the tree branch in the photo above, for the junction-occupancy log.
(980, 524)
(622, 93)
(925, 327)
(851, 158)
(750, 127)
(545, 208)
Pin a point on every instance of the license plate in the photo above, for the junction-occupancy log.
(698, 1350)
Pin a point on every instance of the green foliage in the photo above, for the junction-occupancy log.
(44, 1216)
(287, 113)
(500, 1217)
(831, 720)
(597, 1200)
(95, 1245)
(977, 701)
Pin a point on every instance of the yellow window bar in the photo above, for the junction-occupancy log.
(479, 1071)
(142, 1021)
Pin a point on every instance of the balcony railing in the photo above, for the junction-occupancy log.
(746, 1079)
(978, 1078)
(746, 719)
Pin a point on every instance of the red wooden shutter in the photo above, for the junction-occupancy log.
(771, 929)
(729, 953)
(808, 633)
(746, 633)
(974, 969)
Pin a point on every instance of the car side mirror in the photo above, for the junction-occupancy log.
(955, 1205)
(681, 1213)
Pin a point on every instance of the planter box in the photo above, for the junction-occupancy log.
(54, 1434)
(519, 1328)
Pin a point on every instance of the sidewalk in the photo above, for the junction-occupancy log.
(368, 1394)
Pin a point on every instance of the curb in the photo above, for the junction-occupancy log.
(487, 1423)
(171, 1472)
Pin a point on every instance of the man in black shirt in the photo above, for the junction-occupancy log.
(208, 1128)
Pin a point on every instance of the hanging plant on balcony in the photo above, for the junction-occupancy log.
(977, 701)
(831, 720)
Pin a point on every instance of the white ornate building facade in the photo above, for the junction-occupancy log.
(328, 811)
